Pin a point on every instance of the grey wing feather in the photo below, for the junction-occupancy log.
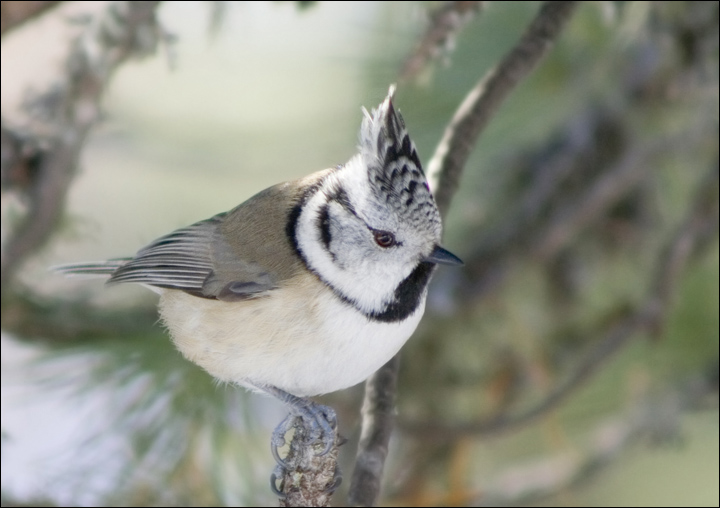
(180, 260)
(91, 269)
(198, 260)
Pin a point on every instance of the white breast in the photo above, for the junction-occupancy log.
(301, 339)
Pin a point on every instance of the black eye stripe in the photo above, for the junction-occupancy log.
(341, 197)
(324, 226)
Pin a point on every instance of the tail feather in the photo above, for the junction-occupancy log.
(91, 269)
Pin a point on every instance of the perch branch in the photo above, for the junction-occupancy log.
(310, 478)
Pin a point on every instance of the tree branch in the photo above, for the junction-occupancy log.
(543, 196)
(603, 193)
(461, 135)
(15, 13)
(445, 23)
(71, 107)
(377, 424)
(29, 316)
(309, 479)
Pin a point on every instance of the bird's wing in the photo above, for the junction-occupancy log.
(188, 259)
(235, 255)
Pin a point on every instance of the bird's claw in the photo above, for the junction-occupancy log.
(277, 440)
(337, 480)
(320, 423)
(325, 422)
(277, 473)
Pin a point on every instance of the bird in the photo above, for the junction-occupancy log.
(309, 286)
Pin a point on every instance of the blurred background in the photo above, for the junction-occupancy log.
(572, 361)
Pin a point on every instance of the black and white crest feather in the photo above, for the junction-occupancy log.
(393, 167)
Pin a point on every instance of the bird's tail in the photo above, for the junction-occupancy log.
(91, 269)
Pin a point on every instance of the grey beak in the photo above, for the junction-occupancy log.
(440, 256)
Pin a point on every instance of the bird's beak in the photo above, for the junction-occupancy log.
(440, 256)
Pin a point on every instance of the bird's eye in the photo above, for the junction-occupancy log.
(384, 239)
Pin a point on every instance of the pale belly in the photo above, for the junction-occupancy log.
(302, 339)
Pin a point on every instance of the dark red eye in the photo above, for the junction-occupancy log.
(384, 239)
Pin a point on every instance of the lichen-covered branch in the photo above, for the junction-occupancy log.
(445, 23)
(309, 478)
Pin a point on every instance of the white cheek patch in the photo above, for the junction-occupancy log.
(369, 285)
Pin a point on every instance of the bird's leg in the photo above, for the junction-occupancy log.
(310, 467)
(319, 421)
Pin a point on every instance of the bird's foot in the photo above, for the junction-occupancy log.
(315, 436)
(317, 424)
